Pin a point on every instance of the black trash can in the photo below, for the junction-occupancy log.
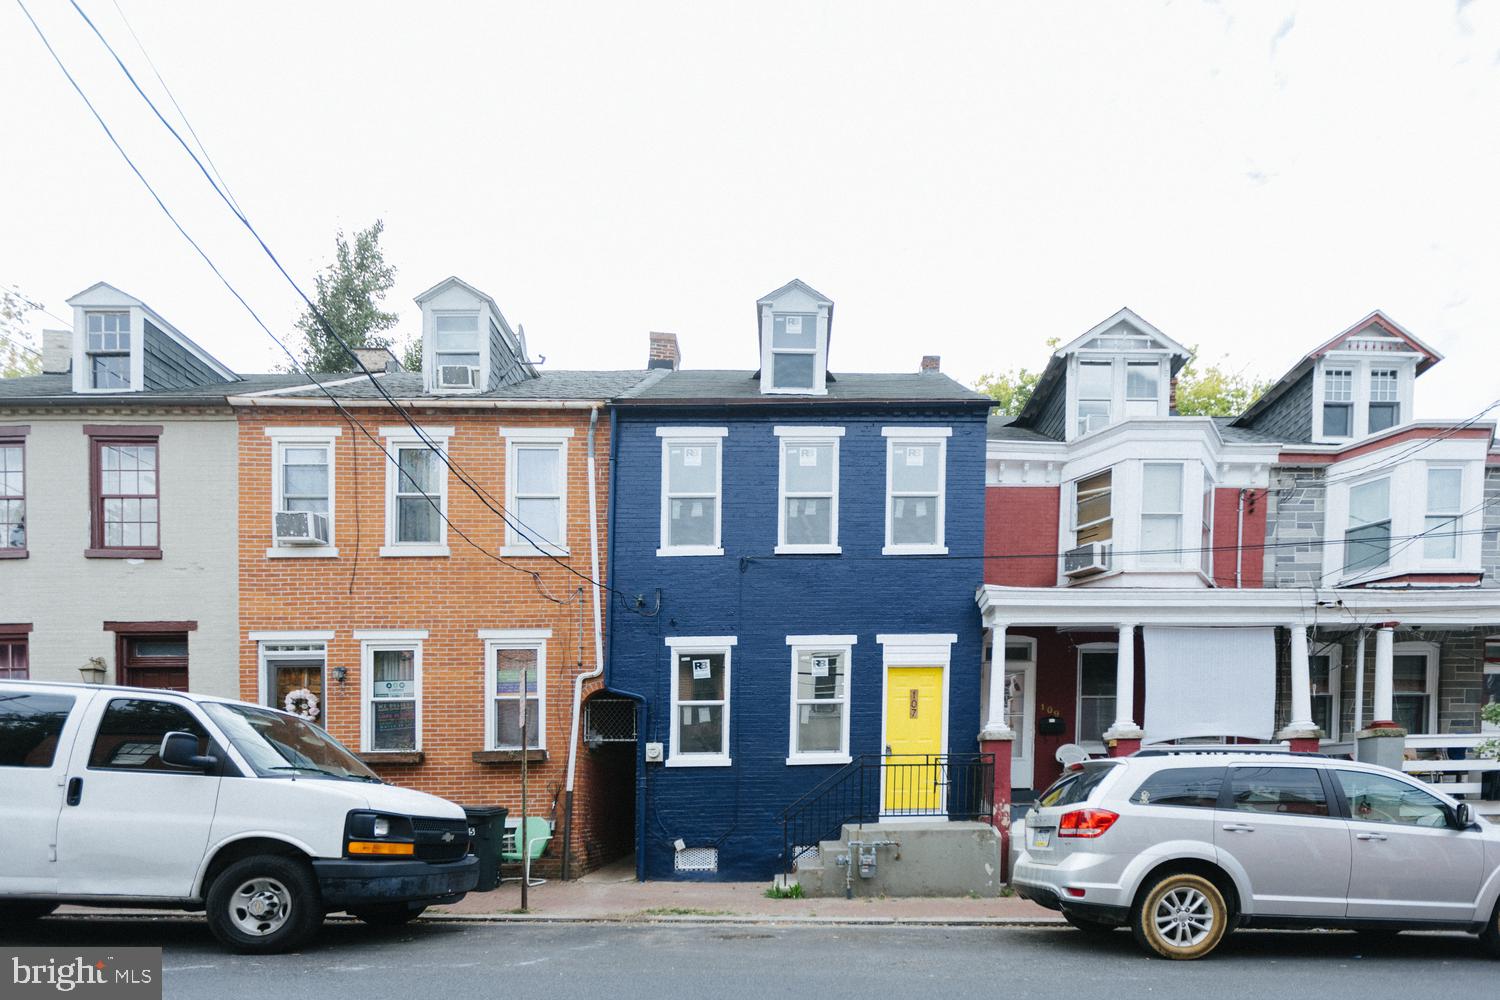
(487, 824)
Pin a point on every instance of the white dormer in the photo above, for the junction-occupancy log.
(120, 345)
(794, 325)
(1364, 379)
(467, 346)
(1121, 368)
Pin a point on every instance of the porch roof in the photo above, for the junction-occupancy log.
(1113, 606)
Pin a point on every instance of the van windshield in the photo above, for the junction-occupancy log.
(281, 745)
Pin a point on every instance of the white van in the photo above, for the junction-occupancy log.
(132, 797)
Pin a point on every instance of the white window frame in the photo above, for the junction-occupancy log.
(1078, 526)
(1455, 518)
(517, 544)
(809, 436)
(900, 437)
(1109, 418)
(1093, 746)
(498, 639)
(1335, 654)
(404, 437)
(1348, 525)
(370, 642)
(303, 437)
(843, 645)
(1178, 556)
(769, 351)
(481, 348)
(688, 644)
(1154, 398)
(1395, 385)
(716, 437)
(1432, 651)
(271, 640)
(1350, 372)
(1361, 365)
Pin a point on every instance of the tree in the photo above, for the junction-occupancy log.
(411, 355)
(1212, 391)
(17, 356)
(349, 292)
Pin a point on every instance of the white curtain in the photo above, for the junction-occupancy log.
(1209, 682)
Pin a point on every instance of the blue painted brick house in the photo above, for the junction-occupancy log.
(813, 544)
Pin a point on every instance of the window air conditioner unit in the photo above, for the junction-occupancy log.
(1086, 560)
(458, 377)
(301, 527)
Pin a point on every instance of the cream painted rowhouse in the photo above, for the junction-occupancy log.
(118, 481)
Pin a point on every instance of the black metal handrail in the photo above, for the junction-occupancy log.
(873, 786)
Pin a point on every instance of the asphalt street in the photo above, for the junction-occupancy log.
(541, 961)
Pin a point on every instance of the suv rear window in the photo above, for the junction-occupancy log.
(30, 725)
(1197, 787)
(1074, 787)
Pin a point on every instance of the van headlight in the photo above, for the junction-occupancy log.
(377, 835)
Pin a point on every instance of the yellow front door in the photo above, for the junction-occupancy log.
(913, 738)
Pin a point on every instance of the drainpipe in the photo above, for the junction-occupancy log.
(598, 670)
(1359, 682)
(1239, 541)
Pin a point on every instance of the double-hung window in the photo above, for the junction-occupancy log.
(916, 490)
(1414, 682)
(794, 352)
(391, 668)
(1367, 539)
(455, 353)
(808, 520)
(15, 664)
(12, 493)
(1142, 388)
(820, 698)
(1444, 513)
(1093, 520)
(515, 680)
(416, 492)
(1097, 675)
(536, 490)
(107, 349)
(302, 491)
(1338, 402)
(1385, 399)
(126, 492)
(1323, 672)
(692, 487)
(700, 700)
(1161, 513)
(1096, 391)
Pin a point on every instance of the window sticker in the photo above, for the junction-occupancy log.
(810, 508)
(794, 325)
(701, 670)
(821, 665)
(692, 456)
(697, 508)
(914, 454)
(807, 457)
(921, 508)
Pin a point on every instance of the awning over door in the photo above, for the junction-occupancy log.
(1209, 682)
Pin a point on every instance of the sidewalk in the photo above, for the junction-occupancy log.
(612, 893)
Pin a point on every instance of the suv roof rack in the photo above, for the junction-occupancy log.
(1226, 749)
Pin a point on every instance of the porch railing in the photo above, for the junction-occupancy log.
(876, 786)
(1443, 760)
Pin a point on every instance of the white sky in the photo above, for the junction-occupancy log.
(964, 180)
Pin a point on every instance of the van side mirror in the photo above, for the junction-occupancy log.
(181, 750)
(1463, 816)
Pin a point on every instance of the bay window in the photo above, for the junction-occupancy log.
(536, 475)
(820, 699)
(1093, 520)
(1367, 539)
(916, 479)
(1338, 402)
(808, 516)
(691, 490)
(1443, 517)
(1385, 399)
(700, 700)
(1161, 513)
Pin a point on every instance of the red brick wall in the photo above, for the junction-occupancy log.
(1021, 521)
(451, 597)
(1252, 537)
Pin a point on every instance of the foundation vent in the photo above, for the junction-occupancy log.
(697, 859)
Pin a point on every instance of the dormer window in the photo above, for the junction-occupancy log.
(1338, 403)
(107, 350)
(1096, 390)
(1385, 399)
(1142, 388)
(794, 323)
(794, 351)
(456, 350)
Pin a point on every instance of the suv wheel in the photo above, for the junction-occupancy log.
(1489, 938)
(1181, 916)
(265, 904)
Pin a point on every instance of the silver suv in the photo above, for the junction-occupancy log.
(1183, 845)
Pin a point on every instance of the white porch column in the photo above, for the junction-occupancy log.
(1385, 703)
(1301, 725)
(996, 726)
(1124, 727)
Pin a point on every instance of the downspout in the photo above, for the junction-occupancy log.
(598, 670)
(1359, 682)
(1239, 541)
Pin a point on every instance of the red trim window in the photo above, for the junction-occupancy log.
(12, 495)
(15, 663)
(126, 497)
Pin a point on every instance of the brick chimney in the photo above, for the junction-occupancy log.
(57, 352)
(931, 363)
(377, 359)
(664, 352)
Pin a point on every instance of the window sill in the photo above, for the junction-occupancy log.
(691, 550)
(699, 760)
(531, 551)
(392, 758)
(807, 759)
(303, 552)
(533, 756)
(410, 551)
(122, 553)
(914, 550)
(808, 550)
(14, 554)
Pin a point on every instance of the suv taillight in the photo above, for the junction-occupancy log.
(1086, 822)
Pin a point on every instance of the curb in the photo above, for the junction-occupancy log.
(632, 919)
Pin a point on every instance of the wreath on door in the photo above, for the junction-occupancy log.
(302, 703)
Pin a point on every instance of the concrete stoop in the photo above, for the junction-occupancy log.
(910, 859)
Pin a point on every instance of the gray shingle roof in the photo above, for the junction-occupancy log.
(1003, 428)
(1243, 435)
(548, 385)
(58, 390)
(719, 386)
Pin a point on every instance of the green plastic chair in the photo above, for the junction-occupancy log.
(538, 836)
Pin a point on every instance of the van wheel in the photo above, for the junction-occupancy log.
(1489, 938)
(1090, 926)
(1181, 916)
(391, 915)
(265, 904)
(21, 911)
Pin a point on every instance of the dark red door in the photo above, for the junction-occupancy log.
(154, 661)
